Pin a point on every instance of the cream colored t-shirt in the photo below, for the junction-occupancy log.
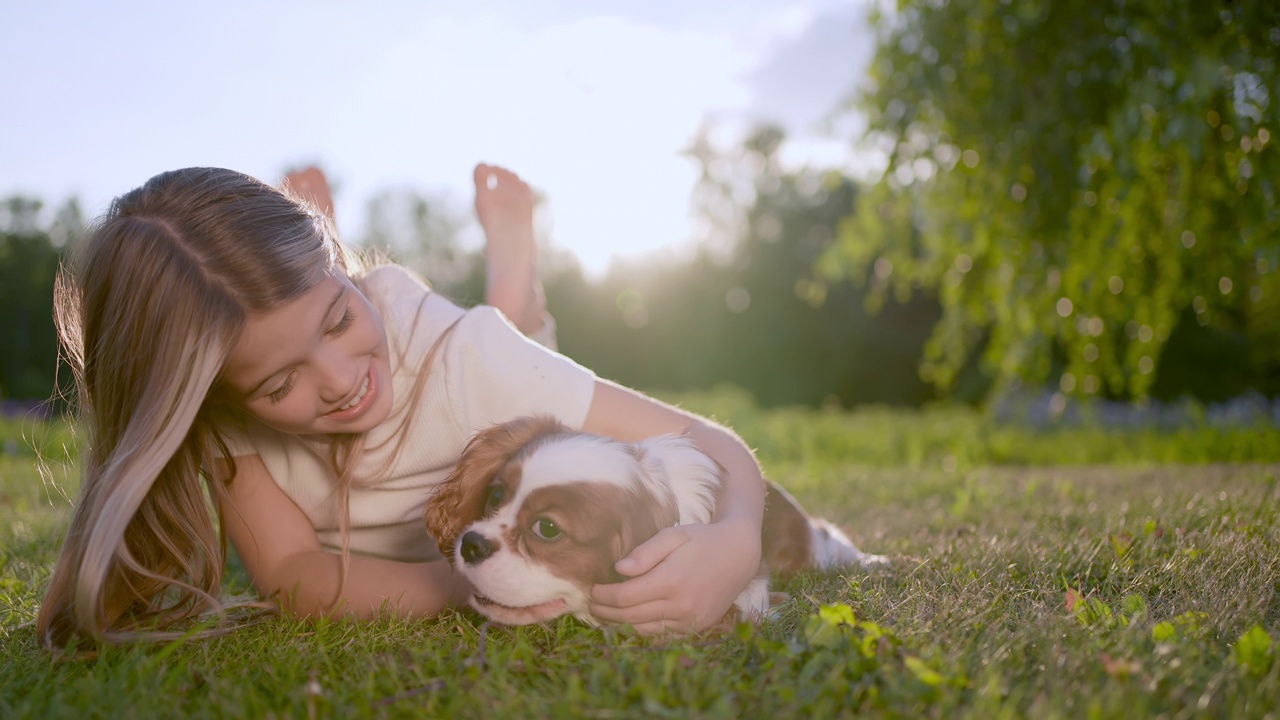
(484, 373)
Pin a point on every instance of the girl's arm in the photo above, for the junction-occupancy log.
(686, 577)
(283, 555)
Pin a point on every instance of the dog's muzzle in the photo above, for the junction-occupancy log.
(475, 548)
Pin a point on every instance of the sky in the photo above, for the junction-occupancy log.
(592, 102)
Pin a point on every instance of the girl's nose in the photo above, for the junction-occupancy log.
(336, 374)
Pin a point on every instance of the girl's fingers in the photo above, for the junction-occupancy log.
(648, 554)
(652, 618)
(629, 594)
(660, 627)
(646, 612)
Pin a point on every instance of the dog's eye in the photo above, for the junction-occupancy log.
(546, 529)
(494, 498)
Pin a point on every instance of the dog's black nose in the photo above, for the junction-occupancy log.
(475, 547)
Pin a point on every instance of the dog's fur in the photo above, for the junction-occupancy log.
(534, 514)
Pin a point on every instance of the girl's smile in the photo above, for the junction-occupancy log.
(316, 365)
(364, 399)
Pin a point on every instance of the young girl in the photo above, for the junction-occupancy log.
(227, 347)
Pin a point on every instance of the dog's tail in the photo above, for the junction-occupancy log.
(831, 548)
(794, 541)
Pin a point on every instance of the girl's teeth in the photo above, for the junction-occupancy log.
(359, 396)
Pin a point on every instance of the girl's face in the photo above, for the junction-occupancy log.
(316, 365)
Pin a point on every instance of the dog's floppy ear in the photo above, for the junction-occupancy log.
(678, 484)
(691, 476)
(646, 513)
(459, 500)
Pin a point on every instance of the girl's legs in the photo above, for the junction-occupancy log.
(311, 185)
(504, 206)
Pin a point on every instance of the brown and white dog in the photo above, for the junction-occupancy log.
(536, 513)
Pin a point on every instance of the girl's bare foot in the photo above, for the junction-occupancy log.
(504, 205)
(311, 185)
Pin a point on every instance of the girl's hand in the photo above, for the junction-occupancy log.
(683, 579)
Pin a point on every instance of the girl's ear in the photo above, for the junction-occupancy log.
(460, 499)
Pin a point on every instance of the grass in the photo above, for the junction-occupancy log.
(1054, 573)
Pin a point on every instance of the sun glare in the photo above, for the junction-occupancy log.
(587, 111)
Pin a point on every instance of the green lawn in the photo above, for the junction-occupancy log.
(1055, 573)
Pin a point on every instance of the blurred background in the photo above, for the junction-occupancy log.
(820, 203)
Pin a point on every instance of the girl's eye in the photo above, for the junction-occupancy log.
(348, 317)
(493, 499)
(546, 529)
(279, 395)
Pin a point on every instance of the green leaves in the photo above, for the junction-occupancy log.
(864, 663)
(1092, 612)
(923, 672)
(30, 251)
(828, 628)
(1163, 632)
(1074, 180)
(1254, 651)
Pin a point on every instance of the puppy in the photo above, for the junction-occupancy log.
(534, 514)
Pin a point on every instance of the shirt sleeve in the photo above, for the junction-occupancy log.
(495, 374)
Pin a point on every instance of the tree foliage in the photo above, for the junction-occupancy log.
(30, 249)
(422, 232)
(748, 309)
(1075, 178)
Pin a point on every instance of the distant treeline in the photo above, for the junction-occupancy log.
(752, 308)
(31, 247)
(1080, 196)
(751, 311)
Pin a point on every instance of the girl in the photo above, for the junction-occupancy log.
(245, 378)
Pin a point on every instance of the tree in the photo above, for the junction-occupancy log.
(30, 250)
(1074, 177)
(748, 309)
(421, 232)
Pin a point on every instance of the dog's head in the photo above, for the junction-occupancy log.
(536, 513)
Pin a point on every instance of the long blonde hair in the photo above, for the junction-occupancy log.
(148, 310)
